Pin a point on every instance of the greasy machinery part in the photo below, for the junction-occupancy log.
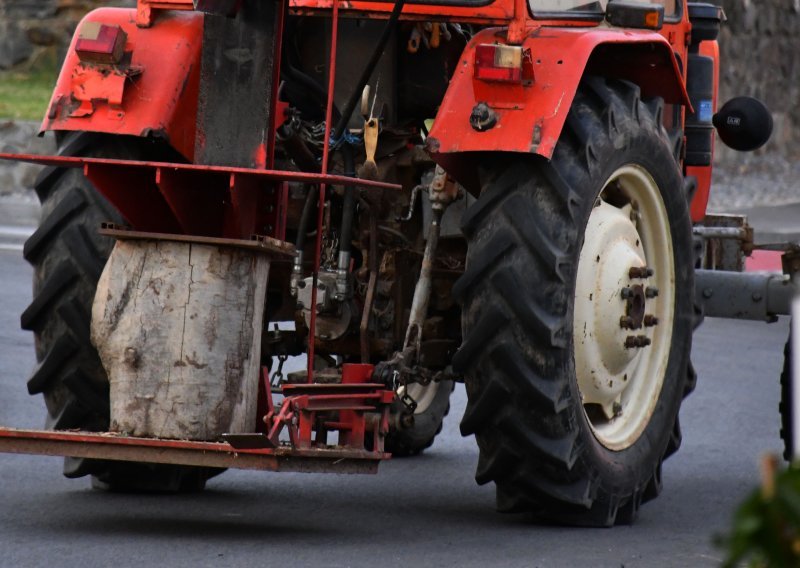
(185, 198)
(288, 134)
(727, 239)
(530, 117)
(442, 192)
(107, 446)
(152, 92)
(235, 103)
(744, 295)
(356, 409)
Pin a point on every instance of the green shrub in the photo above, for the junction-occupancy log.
(25, 93)
(766, 526)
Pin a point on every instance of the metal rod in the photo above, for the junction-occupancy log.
(178, 168)
(720, 232)
(321, 207)
(422, 291)
(743, 295)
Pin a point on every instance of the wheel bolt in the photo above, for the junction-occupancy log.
(626, 322)
(651, 292)
(635, 341)
(650, 321)
(640, 272)
(626, 293)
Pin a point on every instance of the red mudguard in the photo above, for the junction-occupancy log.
(152, 92)
(530, 117)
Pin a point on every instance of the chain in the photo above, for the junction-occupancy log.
(277, 376)
(329, 248)
(399, 382)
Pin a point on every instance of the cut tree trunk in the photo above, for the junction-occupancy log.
(178, 329)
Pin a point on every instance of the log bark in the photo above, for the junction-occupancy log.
(178, 329)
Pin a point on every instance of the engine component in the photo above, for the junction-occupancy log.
(334, 316)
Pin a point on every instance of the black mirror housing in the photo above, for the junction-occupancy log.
(743, 123)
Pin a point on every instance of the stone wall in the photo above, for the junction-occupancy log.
(31, 28)
(760, 46)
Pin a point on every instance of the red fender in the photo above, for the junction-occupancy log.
(530, 117)
(155, 93)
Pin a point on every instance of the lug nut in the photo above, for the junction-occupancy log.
(650, 321)
(640, 272)
(635, 341)
(626, 293)
(626, 322)
(651, 292)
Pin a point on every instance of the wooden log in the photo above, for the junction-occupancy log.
(178, 329)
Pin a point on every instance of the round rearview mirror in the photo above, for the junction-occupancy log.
(743, 123)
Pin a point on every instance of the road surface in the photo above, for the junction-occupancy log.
(425, 511)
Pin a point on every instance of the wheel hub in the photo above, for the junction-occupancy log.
(622, 327)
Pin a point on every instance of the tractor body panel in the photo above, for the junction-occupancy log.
(153, 92)
(530, 117)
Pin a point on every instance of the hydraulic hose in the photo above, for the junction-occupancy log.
(348, 211)
(305, 216)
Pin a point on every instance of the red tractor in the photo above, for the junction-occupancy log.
(497, 192)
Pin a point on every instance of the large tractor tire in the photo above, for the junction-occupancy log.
(578, 314)
(68, 255)
(433, 404)
(785, 406)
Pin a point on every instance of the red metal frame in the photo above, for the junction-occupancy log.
(111, 446)
(308, 413)
(195, 199)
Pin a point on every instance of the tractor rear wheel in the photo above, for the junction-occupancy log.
(578, 314)
(68, 256)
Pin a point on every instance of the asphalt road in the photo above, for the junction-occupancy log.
(425, 511)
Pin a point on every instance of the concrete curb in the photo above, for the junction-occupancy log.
(774, 223)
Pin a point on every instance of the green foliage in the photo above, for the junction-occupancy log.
(25, 93)
(766, 528)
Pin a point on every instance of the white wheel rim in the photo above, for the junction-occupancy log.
(620, 385)
(423, 395)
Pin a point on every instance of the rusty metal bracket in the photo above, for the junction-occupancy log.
(111, 446)
(258, 243)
